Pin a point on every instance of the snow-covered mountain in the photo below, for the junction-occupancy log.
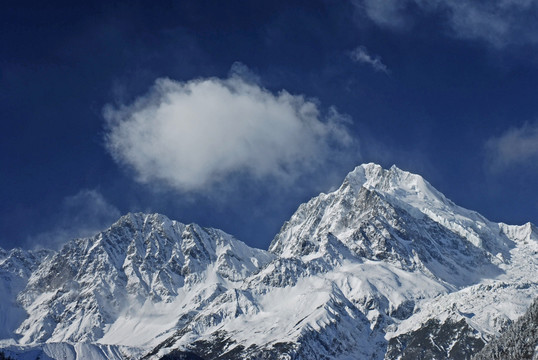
(383, 267)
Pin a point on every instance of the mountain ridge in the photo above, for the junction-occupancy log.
(377, 261)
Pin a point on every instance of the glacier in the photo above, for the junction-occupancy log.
(384, 267)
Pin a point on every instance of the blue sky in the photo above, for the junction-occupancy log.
(232, 113)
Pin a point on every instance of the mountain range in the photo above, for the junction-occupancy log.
(384, 267)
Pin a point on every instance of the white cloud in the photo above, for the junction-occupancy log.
(192, 135)
(361, 55)
(497, 22)
(80, 215)
(517, 146)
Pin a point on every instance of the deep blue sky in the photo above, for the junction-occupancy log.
(431, 89)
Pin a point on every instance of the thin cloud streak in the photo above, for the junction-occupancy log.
(361, 55)
(516, 147)
(499, 23)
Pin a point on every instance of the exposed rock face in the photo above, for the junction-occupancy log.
(436, 340)
(383, 267)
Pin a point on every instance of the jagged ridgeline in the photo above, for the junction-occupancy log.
(384, 267)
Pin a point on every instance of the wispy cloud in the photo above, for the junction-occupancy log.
(193, 135)
(498, 22)
(361, 55)
(385, 13)
(79, 215)
(517, 146)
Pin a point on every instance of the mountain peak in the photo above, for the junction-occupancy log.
(409, 187)
(139, 218)
(397, 215)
